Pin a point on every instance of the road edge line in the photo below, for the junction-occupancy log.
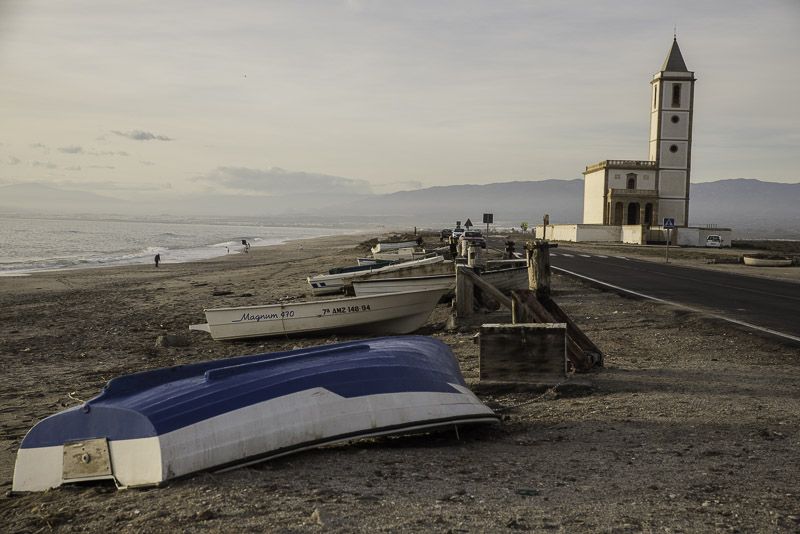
(678, 305)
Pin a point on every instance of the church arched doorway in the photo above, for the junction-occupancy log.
(648, 213)
(633, 213)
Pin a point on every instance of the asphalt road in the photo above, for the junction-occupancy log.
(769, 304)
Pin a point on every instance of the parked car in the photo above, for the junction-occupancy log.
(714, 241)
(445, 235)
(473, 236)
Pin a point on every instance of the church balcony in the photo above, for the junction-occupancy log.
(622, 164)
(632, 193)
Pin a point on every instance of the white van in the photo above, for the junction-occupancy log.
(714, 241)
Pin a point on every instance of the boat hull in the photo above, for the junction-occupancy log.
(443, 282)
(397, 313)
(167, 423)
(327, 284)
(507, 280)
(383, 247)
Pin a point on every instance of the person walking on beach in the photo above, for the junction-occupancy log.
(157, 259)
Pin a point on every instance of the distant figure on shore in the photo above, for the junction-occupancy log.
(157, 260)
(246, 246)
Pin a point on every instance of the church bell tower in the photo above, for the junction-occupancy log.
(671, 135)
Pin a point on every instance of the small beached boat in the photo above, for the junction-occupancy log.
(396, 313)
(403, 254)
(507, 279)
(766, 260)
(149, 427)
(376, 286)
(392, 245)
(326, 284)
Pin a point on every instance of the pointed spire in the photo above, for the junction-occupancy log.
(674, 61)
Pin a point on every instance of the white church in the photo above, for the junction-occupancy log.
(629, 200)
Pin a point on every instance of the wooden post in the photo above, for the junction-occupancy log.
(464, 292)
(538, 253)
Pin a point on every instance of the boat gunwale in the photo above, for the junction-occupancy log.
(348, 299)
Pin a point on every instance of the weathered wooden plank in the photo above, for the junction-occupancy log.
(524, 353)
(536, 312)
(591, 352)
(580, 350)
(485, 286)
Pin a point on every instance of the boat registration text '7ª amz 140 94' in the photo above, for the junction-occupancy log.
(345, 309)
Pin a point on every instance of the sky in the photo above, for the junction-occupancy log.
(131, 99)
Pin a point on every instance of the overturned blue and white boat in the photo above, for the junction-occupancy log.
(146, 428)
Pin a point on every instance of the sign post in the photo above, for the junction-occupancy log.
(546, 221)
(669, 224)
(488, 218)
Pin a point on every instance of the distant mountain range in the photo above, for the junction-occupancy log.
(754, 208)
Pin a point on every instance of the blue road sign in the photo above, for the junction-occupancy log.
(669, 222)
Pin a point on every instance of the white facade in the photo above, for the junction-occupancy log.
(630, 192)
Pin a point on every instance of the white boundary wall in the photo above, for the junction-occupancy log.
(633, 234)
(580, 232)
(696, 237)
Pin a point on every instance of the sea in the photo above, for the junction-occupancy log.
(32, 244)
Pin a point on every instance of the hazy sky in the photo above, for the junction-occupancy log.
(271, 97)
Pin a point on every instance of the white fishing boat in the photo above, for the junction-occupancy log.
(395, 313)
(376, 286)
(326, 284)
(392, 245)
(401, 254)
(507, 279)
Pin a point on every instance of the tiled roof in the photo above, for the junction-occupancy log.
(674, 61)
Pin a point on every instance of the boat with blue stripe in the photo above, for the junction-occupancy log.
(149, 427)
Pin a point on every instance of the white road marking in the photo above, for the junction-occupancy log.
(684, 306)
(553, 254)
(621, 257)
(604, 257)
(584, 255)
(566, 255)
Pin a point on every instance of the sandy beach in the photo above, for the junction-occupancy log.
(691, 426)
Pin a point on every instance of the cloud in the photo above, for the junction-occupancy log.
(40, 146)
(73, 168)
(105, 185)
(146, 162)
(72, 149)
(107, 153)
(45, 164)
(13, 161)
(100, 167)
(139, 135)
(276, 181)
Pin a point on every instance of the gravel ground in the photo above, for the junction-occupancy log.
(691, 426)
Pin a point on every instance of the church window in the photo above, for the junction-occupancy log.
(676, 95)
(655, 96)
(631, 180)
(675, 119)
(673, 148)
